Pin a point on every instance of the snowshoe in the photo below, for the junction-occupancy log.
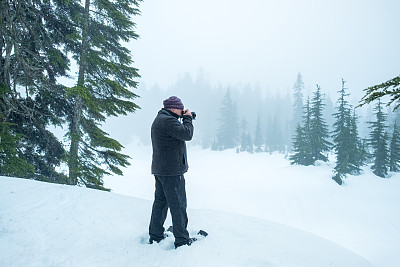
(151, 240)
(190, 241)
(201, 232)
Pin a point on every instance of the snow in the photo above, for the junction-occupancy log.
(258, 210)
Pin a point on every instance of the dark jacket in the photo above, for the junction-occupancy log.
(168, 136)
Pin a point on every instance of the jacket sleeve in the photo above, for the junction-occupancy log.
(181, 131)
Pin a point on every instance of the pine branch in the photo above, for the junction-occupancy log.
(389, 88)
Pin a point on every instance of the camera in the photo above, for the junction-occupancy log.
(193, 114)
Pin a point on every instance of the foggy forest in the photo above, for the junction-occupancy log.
(297, 130)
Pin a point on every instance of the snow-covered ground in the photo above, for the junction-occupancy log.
(363, 215)
(57, 225)
(257, 209)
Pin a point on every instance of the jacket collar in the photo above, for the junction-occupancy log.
(167, 111)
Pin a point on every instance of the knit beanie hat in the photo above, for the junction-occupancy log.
(173, 102)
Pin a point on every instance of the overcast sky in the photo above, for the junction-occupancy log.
(269, 42)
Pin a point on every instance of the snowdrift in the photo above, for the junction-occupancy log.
(362, 215)
(45, 224)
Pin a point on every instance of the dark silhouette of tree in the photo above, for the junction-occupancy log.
(33, 55)
(378, 141)
(302, 140)
(228, 131)
(394, 164)
(258, 139)
(345, 139)
(319, 133)
(105, 78)
(298, 88)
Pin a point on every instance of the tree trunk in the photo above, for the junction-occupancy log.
(8, 48)
(75, 123)
(2, 31)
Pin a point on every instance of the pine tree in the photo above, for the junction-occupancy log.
(275, 140)
(32, 40)
(258, 140)
(10, 162)
(102, 88)
(365, 155)
(244, 139)
(378, 141)
(301, 141)
(318, 128)
(228, 131)
(246, 142)
(394, 164)
(345, 138)
(357, 150)
(298, 88)
(269, 136)
(214, 145)
(341, 137)
(250, 147)
(300, 156)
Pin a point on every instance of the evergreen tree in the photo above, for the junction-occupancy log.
(378, 141)
(247, 142)
(366, 156)
(345, 138)
(258, 140)
(250, 142)
(358, 151)
(275, 139)
(394, 164)
(102, 89)
(269, 136)
(244, 140)
(214, 145)
(341, 137)
(301, 141)
(234, 124)
(318, 128)
(32, 38)
(300, 148)
(228, 131)
(327, 114)
(10, 162)
(298, 88)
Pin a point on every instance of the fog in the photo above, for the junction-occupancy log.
(198, 49)
(269, 42)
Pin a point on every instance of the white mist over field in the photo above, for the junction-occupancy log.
(269, 42)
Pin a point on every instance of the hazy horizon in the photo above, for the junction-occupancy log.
(265, 43)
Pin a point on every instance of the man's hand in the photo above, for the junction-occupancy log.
(187, 112)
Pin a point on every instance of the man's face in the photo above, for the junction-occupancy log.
(177, 111)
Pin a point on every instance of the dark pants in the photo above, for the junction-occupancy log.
(170, 192)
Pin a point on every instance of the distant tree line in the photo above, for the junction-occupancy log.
(306, 128)
(274, 122)
(312, 138)
(227, 114)
(272, 135)
(381, 148)
(40, 40)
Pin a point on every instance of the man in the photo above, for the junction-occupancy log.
(168, 136)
